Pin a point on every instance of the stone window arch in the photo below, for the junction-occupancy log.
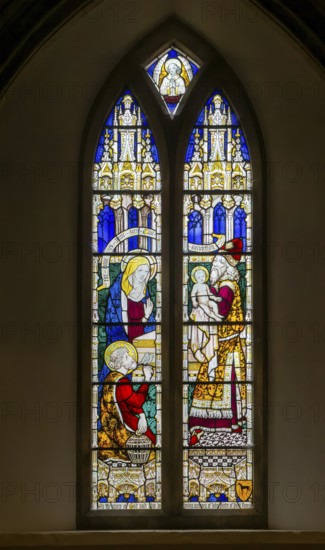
(160, 217)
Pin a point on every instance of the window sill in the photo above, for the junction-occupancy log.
(124, 539)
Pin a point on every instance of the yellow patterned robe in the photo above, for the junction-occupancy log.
(213, 400)
(114, 432)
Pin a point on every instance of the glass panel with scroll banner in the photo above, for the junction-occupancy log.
(126, 313)
(217, 313)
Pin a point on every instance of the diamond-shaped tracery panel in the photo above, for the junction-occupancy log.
(171, 72)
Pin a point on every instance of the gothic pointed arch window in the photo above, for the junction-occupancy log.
(172, 362)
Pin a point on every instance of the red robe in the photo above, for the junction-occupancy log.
(135, 315)
(130, 403)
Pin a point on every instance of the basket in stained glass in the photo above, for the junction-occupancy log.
(138, 448)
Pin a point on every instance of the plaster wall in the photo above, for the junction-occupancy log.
(43, 117)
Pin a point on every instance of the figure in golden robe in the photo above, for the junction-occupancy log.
(121, 406)
(216, 405)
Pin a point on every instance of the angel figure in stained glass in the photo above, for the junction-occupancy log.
(172, 76)
(102, 492)
(173, 84)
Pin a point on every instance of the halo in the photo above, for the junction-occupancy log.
(199, 268)
(175, 61)
(118, 345)
(142, 254)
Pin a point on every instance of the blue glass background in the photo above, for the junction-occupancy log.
(200, 119)
(195, 227)
(240, 225)
(106, 227)
(109, 123)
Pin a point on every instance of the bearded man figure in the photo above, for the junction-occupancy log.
(219, 404)
(121, 405)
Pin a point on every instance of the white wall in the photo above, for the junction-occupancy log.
(43, 117)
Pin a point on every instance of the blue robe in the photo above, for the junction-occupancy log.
(117, 332)
(114, 313)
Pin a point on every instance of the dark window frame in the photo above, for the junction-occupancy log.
(171, 136)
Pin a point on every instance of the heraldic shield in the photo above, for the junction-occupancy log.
(244, 489)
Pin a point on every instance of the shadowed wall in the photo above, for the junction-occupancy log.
(43, 117)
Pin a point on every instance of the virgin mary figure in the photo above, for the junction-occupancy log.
(129, 301)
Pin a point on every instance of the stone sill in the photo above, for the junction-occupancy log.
(124, 539)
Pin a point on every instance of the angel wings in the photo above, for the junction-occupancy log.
(173, 75)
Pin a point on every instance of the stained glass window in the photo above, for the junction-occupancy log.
(171, 73)
(126, 370)
(217, 313)
(177, 357)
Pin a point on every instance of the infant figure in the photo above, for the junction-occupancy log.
(201, 294)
